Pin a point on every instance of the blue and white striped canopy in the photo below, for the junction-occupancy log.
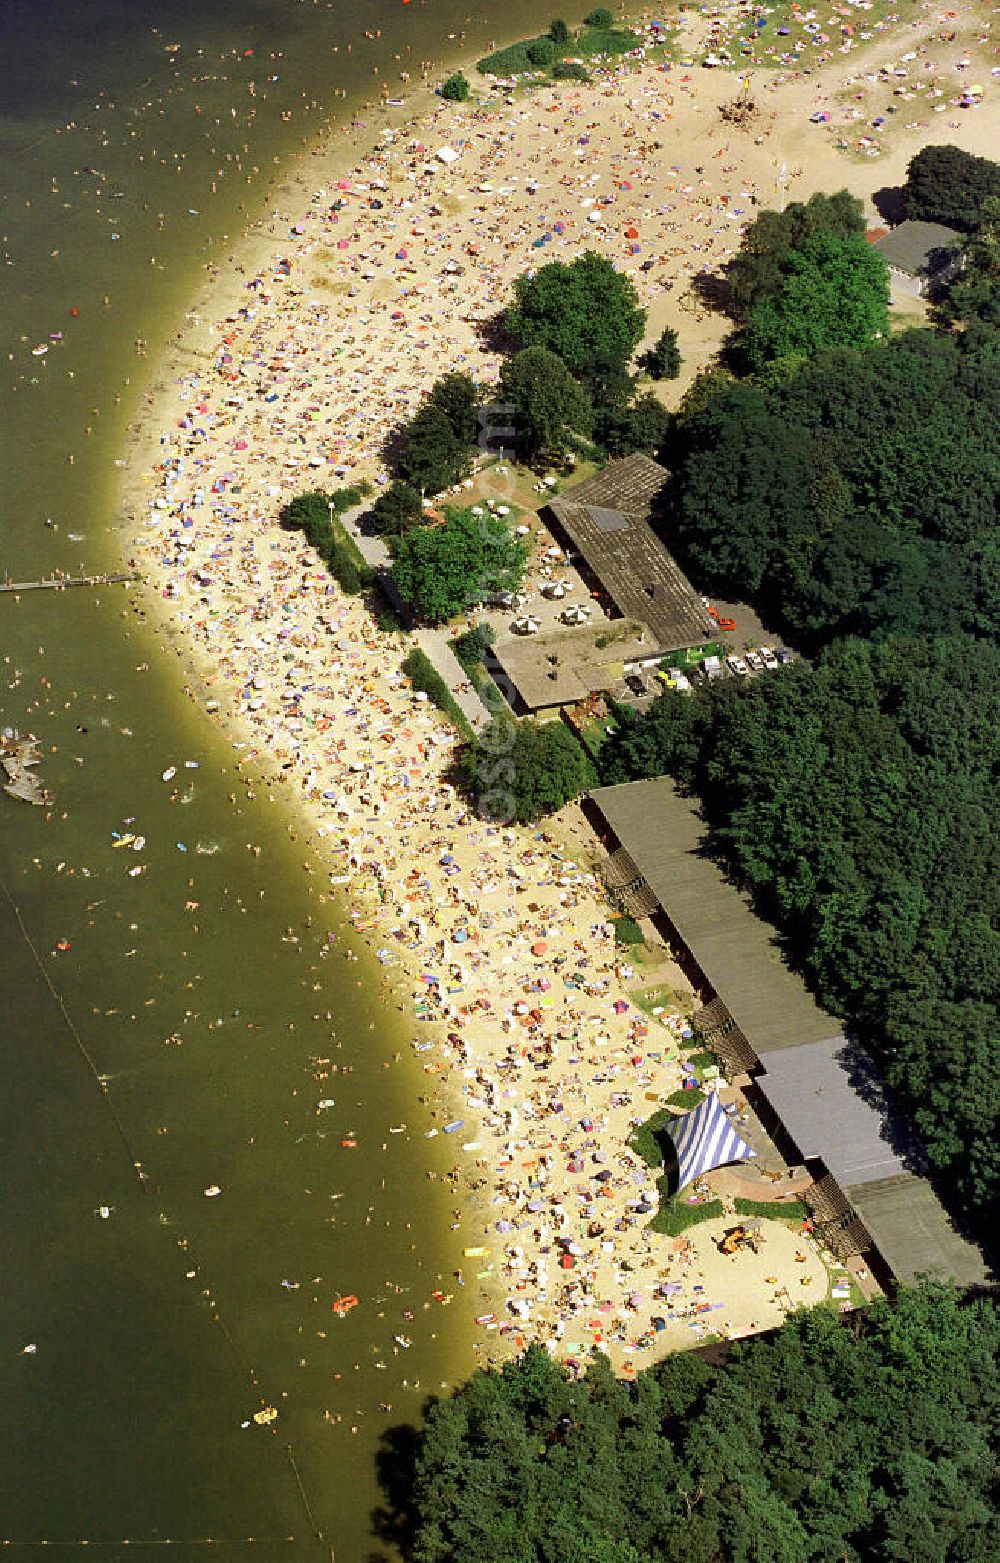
(705, 1138)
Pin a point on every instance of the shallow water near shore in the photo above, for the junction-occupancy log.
(199, 1000)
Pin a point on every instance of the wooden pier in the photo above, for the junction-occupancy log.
(58, 583)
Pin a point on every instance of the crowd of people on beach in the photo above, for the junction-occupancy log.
(495, 940)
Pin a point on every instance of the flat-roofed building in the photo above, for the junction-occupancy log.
(565, 666)
(821, 1092)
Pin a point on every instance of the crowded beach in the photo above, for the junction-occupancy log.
(531, 1048)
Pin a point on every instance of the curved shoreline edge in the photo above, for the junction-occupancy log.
(393, 836)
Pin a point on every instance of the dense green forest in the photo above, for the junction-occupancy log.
(852, 497)
(858, 798)
(866, 1440)
(856, 493)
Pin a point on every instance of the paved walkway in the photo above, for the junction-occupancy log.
(434, 643)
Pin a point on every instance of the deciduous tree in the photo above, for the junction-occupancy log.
(833, 292)
(585, 311)
(549, 406)
(439, 570)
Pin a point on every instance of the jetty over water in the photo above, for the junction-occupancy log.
(58, 583)
(17, 755)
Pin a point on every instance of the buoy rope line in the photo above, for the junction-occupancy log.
(163, 1541)
(143, 1181)
(136, 1164)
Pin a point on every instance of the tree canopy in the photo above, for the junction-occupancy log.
(436, 448)
(395, 510)
(549, 406)
(641, 423)
(523, 770)
(866, 1439)
(455, 87)
(431, 458)
(755, 272)
(857, 493)
(946, 185)
(663, 361)
(973, 296)
(832, 292)
(584, 311)
(439, 570)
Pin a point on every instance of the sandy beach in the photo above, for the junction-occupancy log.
(363, 284)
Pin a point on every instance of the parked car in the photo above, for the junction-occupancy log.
(754, 662)
(767, 656)
(635, 684)
(784, 656)
(737, 667)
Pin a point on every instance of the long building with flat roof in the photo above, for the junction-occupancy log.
(822, 1089)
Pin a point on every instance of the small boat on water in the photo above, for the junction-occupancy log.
(170, 773)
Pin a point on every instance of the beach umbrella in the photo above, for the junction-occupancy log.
(620, 1007)
(539, 947)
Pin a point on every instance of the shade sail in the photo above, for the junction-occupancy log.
(705, 1139)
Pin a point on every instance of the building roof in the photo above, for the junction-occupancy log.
(738, 952)
(581, 666)
(835, 1082)
(910, 247)
(913, 1232)
(825, 1090)
(606, 519)
(634, 484)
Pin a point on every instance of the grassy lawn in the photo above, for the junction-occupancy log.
(594, 735)
(649, 999)
(585, 44)
(791, 1210)
(857, 1298)
(692, 655)
(675, 1215)
(751, 46)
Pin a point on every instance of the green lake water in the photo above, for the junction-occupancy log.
(204, 1022)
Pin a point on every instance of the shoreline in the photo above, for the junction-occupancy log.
(554, 1075)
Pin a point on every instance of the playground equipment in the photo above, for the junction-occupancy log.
(746, 1235)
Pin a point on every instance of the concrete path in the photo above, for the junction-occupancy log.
(373, 548)
(434, 645)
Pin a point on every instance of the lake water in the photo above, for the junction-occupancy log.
(175, 1018)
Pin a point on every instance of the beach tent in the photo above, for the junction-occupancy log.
(446, 155)
(705, 1139)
